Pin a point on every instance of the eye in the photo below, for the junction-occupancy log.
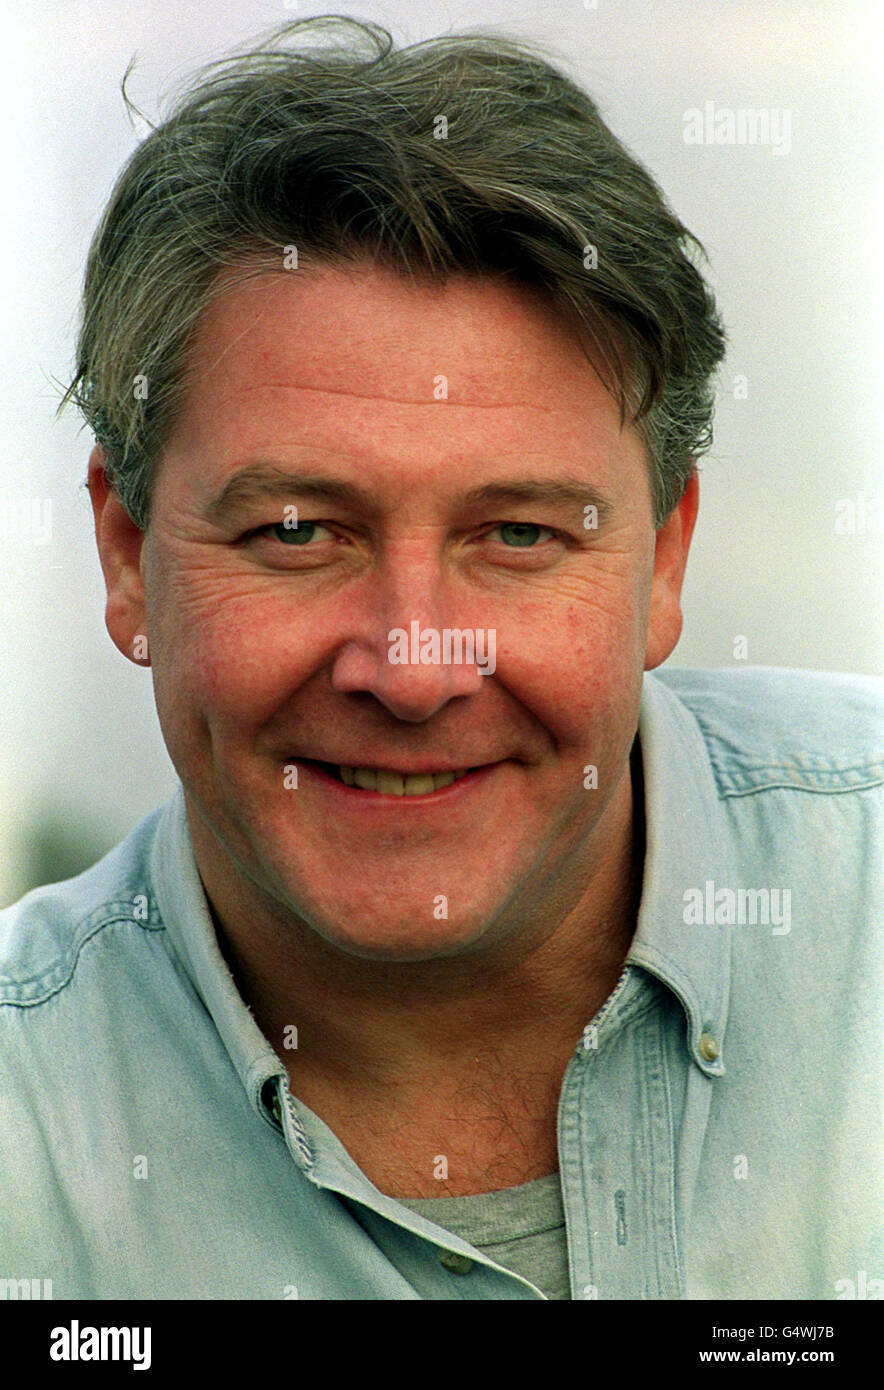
(521, 534)
(288, 534)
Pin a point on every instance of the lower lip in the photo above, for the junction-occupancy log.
(356, 798)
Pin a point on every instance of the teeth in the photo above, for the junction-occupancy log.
(389, 782)
(419, 786)
(378, 779)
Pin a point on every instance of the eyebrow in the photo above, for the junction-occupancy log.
(267, 481)
(565, 491)
(263, 481)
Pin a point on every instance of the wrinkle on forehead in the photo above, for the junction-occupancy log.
(395, 400)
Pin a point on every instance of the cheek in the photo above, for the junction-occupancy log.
(232, 660)
(578, 671)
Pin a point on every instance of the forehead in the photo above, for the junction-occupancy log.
(358, 357)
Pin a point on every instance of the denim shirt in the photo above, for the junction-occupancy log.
(719, 1122)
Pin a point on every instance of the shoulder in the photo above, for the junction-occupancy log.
(817, 731)
(44, 934)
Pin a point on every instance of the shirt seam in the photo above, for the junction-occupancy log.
(501, 1242)
(43, 981)
(675, 1235)
(485, 1228)
(792, 786)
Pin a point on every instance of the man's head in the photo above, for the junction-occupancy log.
(426, 300)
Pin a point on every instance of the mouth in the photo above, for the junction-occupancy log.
(389, 782)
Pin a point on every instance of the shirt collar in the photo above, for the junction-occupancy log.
(185, 912)
(686, 844)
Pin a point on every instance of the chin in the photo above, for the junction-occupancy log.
(382, 938)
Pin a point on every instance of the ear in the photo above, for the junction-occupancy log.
(670, 558)
(121, 546)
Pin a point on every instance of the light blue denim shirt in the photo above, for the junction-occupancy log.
(719, 1123)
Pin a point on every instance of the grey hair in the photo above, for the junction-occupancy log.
(331, 147)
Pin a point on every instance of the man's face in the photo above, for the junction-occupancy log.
(270, 643)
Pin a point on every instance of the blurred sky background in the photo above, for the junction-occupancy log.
(795, 246)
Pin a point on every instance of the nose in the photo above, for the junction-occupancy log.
(410, 651)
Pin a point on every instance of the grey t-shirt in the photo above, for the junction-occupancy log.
(521, 1228)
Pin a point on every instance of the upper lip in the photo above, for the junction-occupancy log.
(419, 770)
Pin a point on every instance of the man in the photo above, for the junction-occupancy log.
(470, 961)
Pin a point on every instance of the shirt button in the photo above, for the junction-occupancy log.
(457, 1264)
(708, 1047)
